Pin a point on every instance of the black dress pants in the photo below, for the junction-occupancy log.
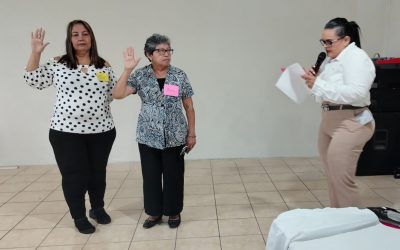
(82, 160)
(163, 180)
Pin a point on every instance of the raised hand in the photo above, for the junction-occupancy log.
(37, 38)
(130, 61)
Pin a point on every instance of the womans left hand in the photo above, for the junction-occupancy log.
(190, 142)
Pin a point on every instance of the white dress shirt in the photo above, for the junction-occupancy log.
(346, 79)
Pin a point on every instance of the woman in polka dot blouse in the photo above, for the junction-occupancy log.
(163, 133)
(81, 130)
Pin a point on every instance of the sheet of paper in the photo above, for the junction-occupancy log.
(292, 85)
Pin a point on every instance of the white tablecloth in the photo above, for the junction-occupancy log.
(300, 225)
(379, 237)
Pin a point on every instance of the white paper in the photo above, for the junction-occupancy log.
(292, 85)
(365, 117)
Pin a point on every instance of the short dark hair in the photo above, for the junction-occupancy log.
(345, 28)
(70, 58)
(153, 41)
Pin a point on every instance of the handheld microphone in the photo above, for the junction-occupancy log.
(320, 59)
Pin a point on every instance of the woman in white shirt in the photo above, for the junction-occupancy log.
(82, 129)
(342, 87)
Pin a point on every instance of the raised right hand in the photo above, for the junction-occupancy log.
(130, 61)
(37, 43)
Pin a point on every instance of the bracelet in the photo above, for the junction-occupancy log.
(192, 136)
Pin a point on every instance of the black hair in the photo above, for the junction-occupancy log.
(345, 28)
(153, 41)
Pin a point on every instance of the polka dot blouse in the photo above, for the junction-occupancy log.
(83, 96)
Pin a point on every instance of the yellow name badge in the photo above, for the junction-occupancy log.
(102, 76)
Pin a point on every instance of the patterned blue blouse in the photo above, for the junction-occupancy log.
(161, 122)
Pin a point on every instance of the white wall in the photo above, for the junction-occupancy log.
(232, 52)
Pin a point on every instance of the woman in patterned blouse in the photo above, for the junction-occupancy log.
(82, 129)
(162, 132)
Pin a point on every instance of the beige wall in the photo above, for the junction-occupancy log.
(231, 50)
(392, 29)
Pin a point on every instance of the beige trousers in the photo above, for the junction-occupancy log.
(341, 140)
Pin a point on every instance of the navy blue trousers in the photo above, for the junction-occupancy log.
(163, 180)
(82, 160)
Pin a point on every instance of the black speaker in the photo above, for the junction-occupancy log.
(387, 75)
(381, 154)
(385, 99)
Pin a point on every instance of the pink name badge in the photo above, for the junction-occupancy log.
(171, 90)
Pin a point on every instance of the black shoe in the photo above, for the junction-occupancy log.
(83, 225)
(148, 223)
(100, 216)
(174, 223)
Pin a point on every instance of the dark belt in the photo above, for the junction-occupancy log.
(327, 107)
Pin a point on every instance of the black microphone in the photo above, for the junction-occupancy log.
(320, 59)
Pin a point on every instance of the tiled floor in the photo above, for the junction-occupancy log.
(229, 204)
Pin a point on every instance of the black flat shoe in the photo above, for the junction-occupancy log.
(174, 223)
(100, 216)
(84, 226)
(148, 223)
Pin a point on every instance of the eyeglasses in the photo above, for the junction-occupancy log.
(163, 51)
(329, 42)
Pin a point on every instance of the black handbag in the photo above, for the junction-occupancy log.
(387, 216)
